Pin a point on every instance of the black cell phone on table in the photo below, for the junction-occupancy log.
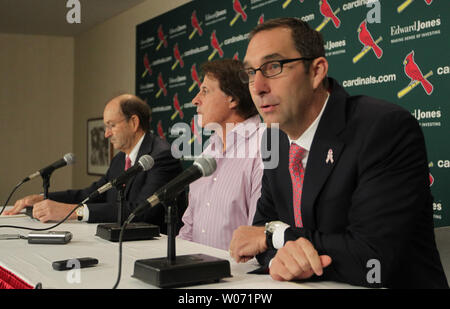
(74, 263)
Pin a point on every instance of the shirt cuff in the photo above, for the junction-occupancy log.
(85, 213)
(278, 236)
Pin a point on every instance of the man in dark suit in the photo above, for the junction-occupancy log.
(349, 200)
(127, 120)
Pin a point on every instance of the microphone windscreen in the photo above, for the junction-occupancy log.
(147, 162)
(206, 164)
(69, 158)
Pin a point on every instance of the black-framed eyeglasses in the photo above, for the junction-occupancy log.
(268, 69)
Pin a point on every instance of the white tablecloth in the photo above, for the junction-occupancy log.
(33, 262)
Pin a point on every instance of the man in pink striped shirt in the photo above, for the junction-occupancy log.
(220, 203)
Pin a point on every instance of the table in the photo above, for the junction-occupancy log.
(33, 262)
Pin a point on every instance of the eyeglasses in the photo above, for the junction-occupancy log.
(112, 125)
(268, 69)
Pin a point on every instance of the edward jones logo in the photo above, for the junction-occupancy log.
(328, 14)
(413, 71)
(365, 37)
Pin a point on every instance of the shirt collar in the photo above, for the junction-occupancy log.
(133, 154)
(305, 140)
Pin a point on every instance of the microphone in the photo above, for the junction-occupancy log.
(145, 163)
(202, 167)
(68, 159)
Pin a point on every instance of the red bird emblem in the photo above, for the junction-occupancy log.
(161, 36)
(176, 53)
(194, 75)
(147, 65)
(161, 84)
(412, 71)
(428, 1)
(238, 9)
(195, 23)
(160, 130)
(366, 39)
(176, 105)
(215, 44)
(326, 11)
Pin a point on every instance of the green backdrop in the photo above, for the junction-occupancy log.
(171, 47)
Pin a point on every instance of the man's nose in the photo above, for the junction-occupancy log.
(260, 85)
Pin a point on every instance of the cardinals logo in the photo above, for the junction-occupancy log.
(176, 105)
(194, 128)
(405, 4)
(162, 86)
(287, 2)
(261, 19)
(328, 14)
(148, 69)
(160, 130)
(162, 38)
(366, 39)
(237, 7)
(195, 78)
(196, 25)
(413, 72)
(431, 179)
(177, 55)
(216, 46)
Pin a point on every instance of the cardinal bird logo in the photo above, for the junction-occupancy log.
(405, 4)
(261, 19)
(215, 44)
(431, 179)
(195, 131)
(148, 69)
(413, 72)
(195, 78)
(328, 14)
(176, 105)
(196, 25)
(177, 55)
(237, 7)
(162, 86)
(236, 56)
(160, 130)
(162, 38)
(366, 39)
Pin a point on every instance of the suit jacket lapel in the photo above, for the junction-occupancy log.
(326, 138)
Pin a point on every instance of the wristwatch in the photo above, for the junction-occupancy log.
(80, 212)
(269, 229)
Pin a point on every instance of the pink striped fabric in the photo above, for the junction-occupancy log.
(220, 203)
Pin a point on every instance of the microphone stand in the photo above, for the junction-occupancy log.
(173, 271)
(133, 231)
(46, 184)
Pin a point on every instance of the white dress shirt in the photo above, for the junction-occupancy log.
(305, 140)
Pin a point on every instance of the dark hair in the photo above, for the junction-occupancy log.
(226, 71)
(308, 42)
(132, 105)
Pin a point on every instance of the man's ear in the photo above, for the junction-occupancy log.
(135, 122)
(318, 70)
(232, 102)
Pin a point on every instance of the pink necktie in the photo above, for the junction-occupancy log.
(297, 171)
(127, 163)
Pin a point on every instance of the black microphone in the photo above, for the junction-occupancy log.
(203, 166)
(145, 163)
(68, 159)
